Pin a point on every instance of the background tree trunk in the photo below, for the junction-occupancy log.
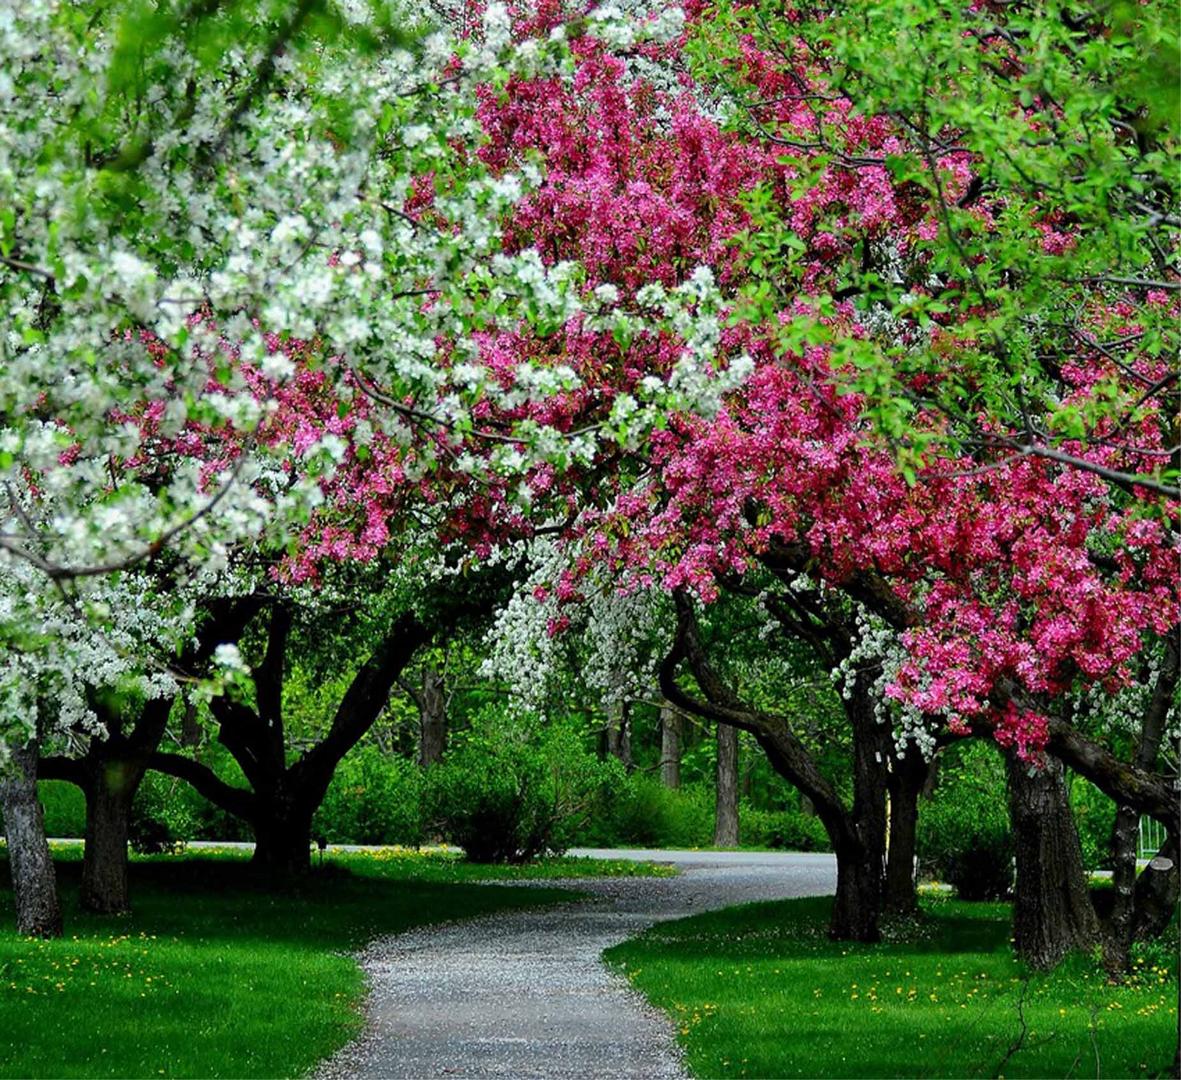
(726, 814)
(432, 705)
(618, 737)
(670, 746)
(110, 790)
(1052, 912)
(1156, 893)
(34, 885)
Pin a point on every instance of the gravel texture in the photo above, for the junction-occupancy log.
(525, 994)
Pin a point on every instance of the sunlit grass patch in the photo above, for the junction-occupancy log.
(760, 991)
(213, 974)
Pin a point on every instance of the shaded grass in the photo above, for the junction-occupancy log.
(760, 991)
(215, 975)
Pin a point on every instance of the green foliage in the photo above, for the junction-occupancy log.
(785, 830)
(1069, 115)
(1094, 815)
(65, 808)
(760, 990)
(639, 811)
(374, 798)
(162, 817)
(963, 833)
(507, 793)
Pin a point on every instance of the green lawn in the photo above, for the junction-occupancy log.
(213, 976)
(760, 991)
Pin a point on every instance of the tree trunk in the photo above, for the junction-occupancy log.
(670, 747)
(1052, 913)
(726, 814)
(1139, 906)
(432, 717)
(110, 789)
(901, 898)
(283, 837)
(906, 784)
(618, 737)
(858, 902)
(1157, 889)
(1117, 942)
(34, 885)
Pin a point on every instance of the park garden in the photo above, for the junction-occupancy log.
(439, 440)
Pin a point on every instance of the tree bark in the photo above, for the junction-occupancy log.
(857, 835)
(857, 906)
(1052, 913)
(726, 809)
(432, 717)
(1154, 899)
(908, 776)
(670, 747)
(109, 794)
(283, 798)
(283, 838)
(1125, 920)
(38, 913)
(618, 737)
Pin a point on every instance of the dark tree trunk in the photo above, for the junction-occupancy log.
(857, 906)
(618, 737)
(1117, 943)
(1155, 897)
(1139, 906)
(34, 885)
(110, 790)
(670, 747)
(432, 705)
(726, 810)
(906, 783)
(1052, 913)
(283, 839)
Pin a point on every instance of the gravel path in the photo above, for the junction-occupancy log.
(524, 993)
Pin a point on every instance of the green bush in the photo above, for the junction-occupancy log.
(65, 808)
(163, 815)
(1094, 816)
(963, 832)
(508, 793)
(374, 798)
(785, 830)
(639, 811)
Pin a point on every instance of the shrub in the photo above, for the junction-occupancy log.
(785, 830)
(1094, 816)
(639, 811)
(982, 869)
(507, 794)
(163, 818)
(374, 798)
(65, 808)
(963, 832)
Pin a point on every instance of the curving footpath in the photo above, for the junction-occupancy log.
(525, 994)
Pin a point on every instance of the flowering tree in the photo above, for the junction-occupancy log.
(263, 318)
(1020, 552)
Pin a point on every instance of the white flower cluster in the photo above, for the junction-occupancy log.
(622, 636)
(879, 648)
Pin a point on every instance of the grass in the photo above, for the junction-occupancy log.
(760, 991)
(214, 976)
